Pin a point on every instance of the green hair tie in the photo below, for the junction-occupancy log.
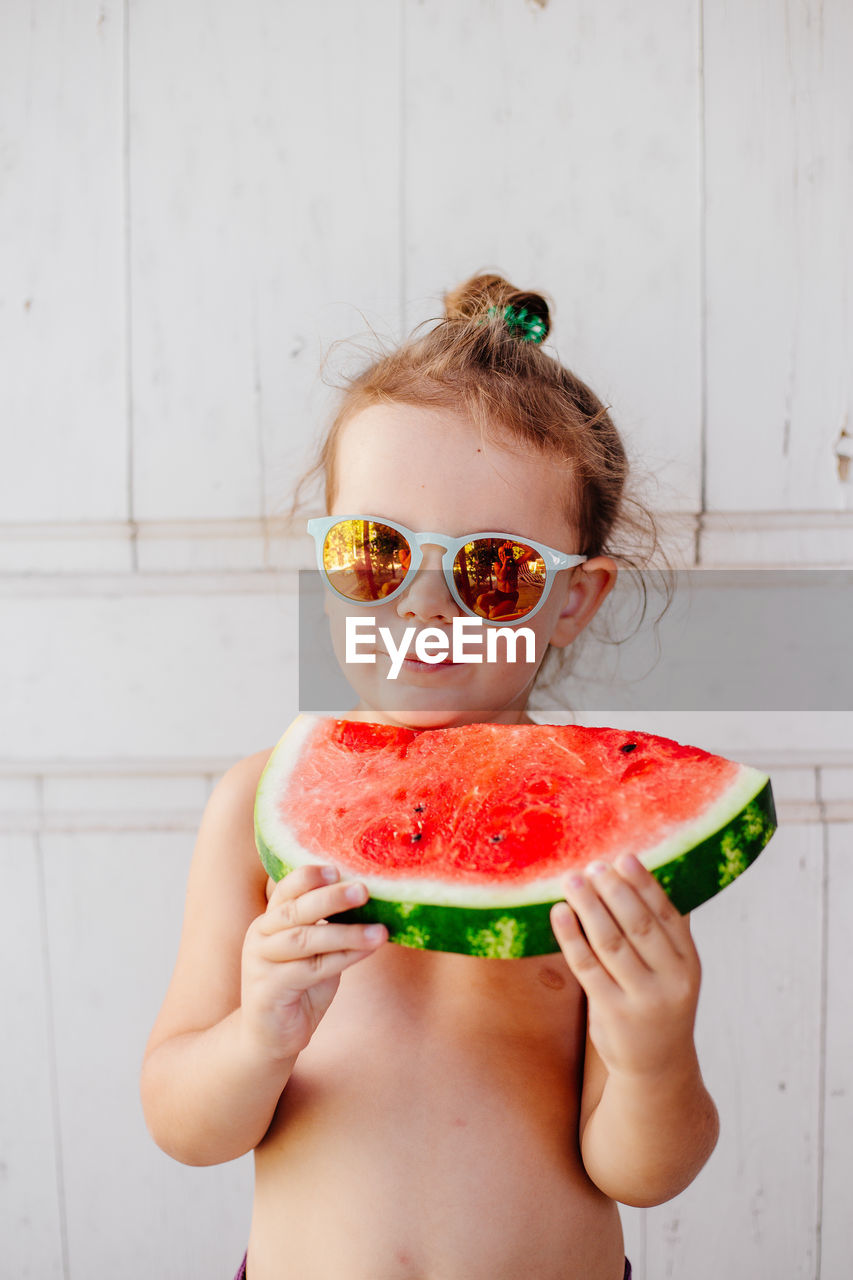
(523, 324)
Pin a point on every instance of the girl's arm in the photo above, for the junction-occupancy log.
(251, 982)
(643, 1140)
(647, 1122)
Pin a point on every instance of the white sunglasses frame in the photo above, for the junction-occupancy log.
(320, 526)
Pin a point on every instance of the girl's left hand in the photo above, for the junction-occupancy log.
(637, 965)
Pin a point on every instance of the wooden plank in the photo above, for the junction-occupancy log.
(836, 1223)
(62, 262)
(779, 129)
(777, 539)
(114, 909)
(161, 675)
(30, 1207)
(753, 1209)
(265, 210)
(836, 783)
(573, 168)
(757, 738)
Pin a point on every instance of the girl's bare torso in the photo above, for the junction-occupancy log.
(429, 1132)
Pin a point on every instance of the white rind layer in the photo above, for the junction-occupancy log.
(745, 785)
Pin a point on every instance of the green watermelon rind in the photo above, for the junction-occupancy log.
(690, 878)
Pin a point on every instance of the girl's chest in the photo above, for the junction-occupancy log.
(444, 1028)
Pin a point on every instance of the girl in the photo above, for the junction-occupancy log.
(425, 1115)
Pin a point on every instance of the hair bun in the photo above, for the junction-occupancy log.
(474, 298)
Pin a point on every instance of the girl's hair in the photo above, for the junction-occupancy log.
(479, 359)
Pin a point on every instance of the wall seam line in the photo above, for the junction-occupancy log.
(401, 176)
(703, 294)
(128, 292)
(53, 1066)
(824, 981)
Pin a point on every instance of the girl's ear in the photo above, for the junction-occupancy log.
(593, 582)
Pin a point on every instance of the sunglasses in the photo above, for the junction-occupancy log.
(493, 576)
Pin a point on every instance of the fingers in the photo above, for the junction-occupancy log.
(606, 939)
(320, 967)
(294, 926)
(309, 899)
(632, 929)
(579, 955)
(301, 880)
(310, 942)
(673, 924)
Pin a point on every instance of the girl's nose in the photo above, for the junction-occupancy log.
(428, 597)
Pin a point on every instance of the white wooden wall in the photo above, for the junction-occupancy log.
(197, 199)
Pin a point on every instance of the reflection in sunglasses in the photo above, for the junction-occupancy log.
(367, 561)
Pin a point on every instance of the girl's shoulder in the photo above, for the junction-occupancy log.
(243, 773)
(226, 839)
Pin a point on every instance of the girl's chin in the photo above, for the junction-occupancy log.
(415, 707)
(423, 718)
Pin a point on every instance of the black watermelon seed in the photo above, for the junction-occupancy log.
(419, 808)
(495, 839)
(628, 746)
(416, 835)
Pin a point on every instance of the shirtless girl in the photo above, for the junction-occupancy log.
(421, 1115)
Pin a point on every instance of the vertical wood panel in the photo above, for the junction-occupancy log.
(836, 1221)
(779, 125)
(752, 1211)
(30, 1210)
(559, 144)
(264, 177)
(62, 385)
(114, 909)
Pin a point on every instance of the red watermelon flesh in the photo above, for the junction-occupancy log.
(553, 802)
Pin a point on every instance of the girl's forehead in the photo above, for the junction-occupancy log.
(432, 469)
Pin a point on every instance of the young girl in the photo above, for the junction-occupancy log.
(423, 1115)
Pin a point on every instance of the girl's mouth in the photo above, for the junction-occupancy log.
(414, 664)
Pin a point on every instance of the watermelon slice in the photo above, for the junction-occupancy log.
(463, 835)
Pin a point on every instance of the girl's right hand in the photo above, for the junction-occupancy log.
(292, 958)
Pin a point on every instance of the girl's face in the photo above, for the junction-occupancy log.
(428, 469)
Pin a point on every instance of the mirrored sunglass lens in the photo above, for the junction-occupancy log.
(365, 560)
(498, 578)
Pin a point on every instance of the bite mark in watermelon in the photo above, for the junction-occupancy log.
(463, 835)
